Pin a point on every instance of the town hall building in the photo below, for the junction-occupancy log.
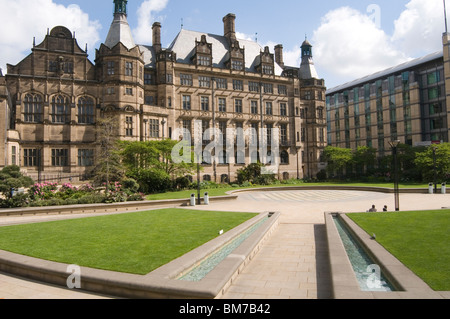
(52, 100)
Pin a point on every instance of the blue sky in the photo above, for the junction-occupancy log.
(351, 38)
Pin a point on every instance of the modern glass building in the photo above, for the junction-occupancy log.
(407, 103)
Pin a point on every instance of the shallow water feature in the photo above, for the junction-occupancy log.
(368, 274)
(200, 271)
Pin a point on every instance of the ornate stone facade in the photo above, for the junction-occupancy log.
(51, 101)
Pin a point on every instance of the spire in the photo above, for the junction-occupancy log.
(307, 68)
(120, 30)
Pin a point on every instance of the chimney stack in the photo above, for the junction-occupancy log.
(229, 27)
(157, 36)
(279, 55)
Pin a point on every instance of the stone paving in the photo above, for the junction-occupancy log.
(292, 264)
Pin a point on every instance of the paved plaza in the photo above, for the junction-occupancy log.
(292, 264)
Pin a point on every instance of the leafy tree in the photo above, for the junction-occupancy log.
(429, 160)
(11, 179)
(337, 158)
(364, 157)
(253, 173)
(140, 155)
(151, 165)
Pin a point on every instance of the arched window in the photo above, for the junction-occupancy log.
(32, 108)
(60, 109)
(206, 178)
(85, 110)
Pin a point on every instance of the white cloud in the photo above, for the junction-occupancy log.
(419, 28)
(349, 45)
(24, 19)
(143, 32)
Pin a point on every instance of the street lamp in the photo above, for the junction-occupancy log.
(394, 146)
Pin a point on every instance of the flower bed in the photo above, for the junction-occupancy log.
(51, 194)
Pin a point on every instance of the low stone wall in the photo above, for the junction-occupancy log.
(335, 188)
(104, 208)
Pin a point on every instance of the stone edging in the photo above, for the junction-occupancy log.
(345, 285)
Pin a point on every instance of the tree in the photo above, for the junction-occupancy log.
(11, 179)
(364, 158)
(434, 160)
(337, 158)
(166, 162)
(151, 165)
(108, 167)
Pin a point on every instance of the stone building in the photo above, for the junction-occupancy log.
(408, 103)
(51, 101)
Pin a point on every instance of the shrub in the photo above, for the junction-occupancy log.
(43, 191)
(137, 197)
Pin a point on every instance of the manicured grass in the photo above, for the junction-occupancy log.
(222, 191)
(134, 243)
(420, 240)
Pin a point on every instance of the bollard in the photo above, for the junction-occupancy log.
(443, 189)
(193, 200)
(430, 188)
(206, 199)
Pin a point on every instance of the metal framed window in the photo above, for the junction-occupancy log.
(186, 79)
(60, 157)
(85, 158)
(85, 110)
(60, 110)
(129, 126)
(129, 68)
(186, 102)
(154, 128)
(30, 157)
(32, 108)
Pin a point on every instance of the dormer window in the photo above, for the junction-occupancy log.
(267, 69)
(203, 60)
(203, 52)
(266, 62)
(237, 65)
(236, 57)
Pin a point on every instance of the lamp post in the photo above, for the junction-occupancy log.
(394, 146)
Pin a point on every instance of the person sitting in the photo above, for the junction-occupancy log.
(373, 209)
(385, 208)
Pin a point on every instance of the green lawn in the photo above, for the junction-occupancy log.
(222, 191)
(420, 240)
(134, 243)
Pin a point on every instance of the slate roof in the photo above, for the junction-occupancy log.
(184, 47)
